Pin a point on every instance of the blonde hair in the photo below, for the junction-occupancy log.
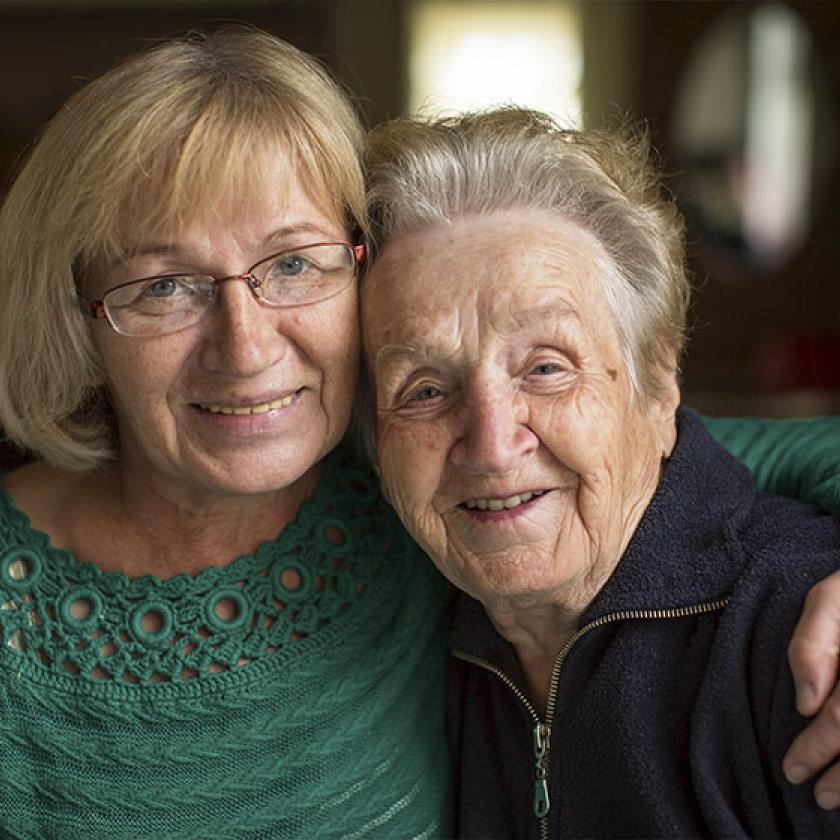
(428, 173)
(181, 133)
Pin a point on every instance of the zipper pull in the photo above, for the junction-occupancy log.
(541, 800)
(541, 803)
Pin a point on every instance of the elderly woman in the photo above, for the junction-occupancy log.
(212, 626)
(619, 646)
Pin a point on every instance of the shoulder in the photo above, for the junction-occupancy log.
(33, 487)
(782, 548)
(770, 552)
(771, 536)
(44, 494)
(350, 492)
(789, 541)
(350, 499)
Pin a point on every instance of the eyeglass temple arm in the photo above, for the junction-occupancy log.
(95, 308)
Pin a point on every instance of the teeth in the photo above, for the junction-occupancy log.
(262, 408)
(502, 504)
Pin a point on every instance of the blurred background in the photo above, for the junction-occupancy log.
(742, 100)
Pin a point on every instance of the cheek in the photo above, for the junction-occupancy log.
(586, 427)
(331, 339)
(141, 374)
(412, 465)
(411, 461)
(345, 332)
(146, 380)
(341, 369)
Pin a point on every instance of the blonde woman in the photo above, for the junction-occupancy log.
(212, 625)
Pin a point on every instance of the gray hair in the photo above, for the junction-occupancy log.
(426, 173)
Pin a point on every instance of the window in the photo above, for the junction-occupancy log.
(465, 55)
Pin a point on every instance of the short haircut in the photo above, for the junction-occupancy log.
(427, 173)
(182, 133)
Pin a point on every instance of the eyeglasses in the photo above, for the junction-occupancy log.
(167, 303)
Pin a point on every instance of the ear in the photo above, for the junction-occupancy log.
(662, 408)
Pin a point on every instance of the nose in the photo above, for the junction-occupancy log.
(495, 434)
(244, 337)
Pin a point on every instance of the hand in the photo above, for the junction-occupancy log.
(813, 656)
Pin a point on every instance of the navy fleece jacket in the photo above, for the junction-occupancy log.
(674, 709)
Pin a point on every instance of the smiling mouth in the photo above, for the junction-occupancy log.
(258, 408)
(507, 503)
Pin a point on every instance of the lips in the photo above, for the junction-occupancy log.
(249, 408)
(505, 503)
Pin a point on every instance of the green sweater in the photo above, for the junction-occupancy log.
(131, 709)
(797, 458)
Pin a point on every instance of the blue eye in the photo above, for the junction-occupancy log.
(546, 369)
(290, 265)
(165, 287)
(428, 392)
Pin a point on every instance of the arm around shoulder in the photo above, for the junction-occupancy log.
(796, 458)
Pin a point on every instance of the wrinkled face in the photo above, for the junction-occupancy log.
(250, 398)
(508, 441)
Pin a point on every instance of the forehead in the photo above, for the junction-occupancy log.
(228, 237)
(234, 196)
(508, 270)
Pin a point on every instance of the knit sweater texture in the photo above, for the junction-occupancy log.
(674, 703)
(796, 458)
(311, 707)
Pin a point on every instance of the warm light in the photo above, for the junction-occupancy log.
(779, 136)
(466, 55)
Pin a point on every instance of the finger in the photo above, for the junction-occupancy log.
(827, 788)
(813, 650)
(816, 746)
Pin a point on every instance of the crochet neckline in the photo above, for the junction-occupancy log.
(315, 503)
(309, 587)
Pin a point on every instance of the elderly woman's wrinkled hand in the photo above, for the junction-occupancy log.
(813, 655)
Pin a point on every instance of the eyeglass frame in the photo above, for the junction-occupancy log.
(98, 311)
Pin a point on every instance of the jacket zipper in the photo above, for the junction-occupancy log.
(542, 729)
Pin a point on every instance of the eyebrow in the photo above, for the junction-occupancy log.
(557, 310)
(271, 240)
(398, 351)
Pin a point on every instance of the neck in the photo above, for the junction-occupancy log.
(166, 530)
(537, 633)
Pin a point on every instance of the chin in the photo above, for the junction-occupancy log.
(247, 476)
(518, 578)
